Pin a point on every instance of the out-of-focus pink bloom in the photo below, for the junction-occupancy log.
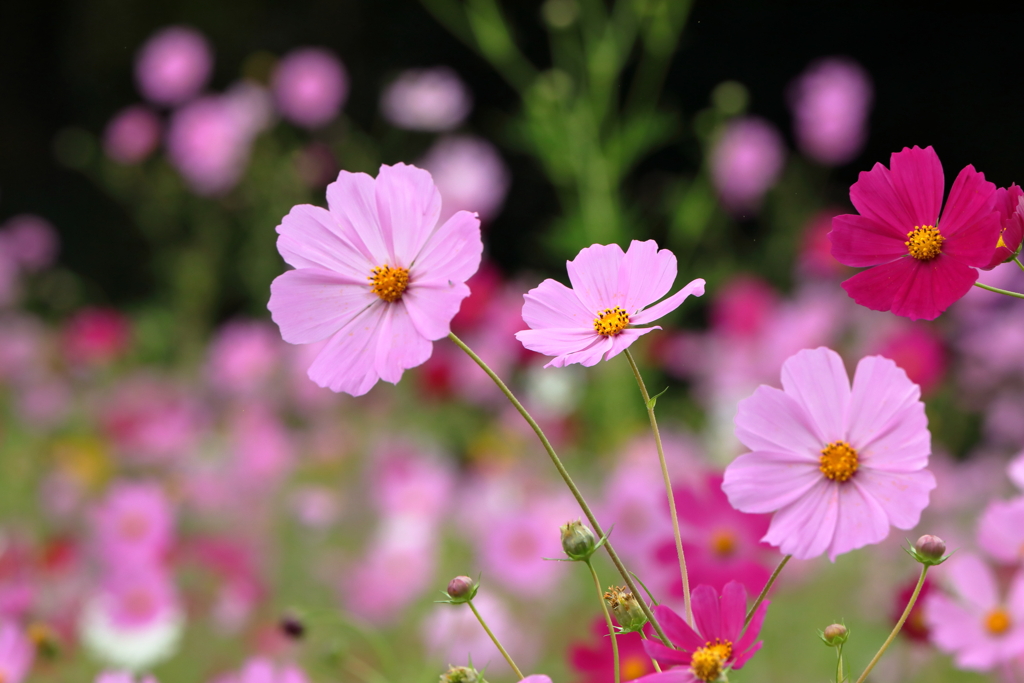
(830, 101)
(918, 263)
(316, 507)
(95, 336)
(745, 163)
(151, 420)
(1003, 424)
(16, 653)
(261, 670)
(44, 401)
(30, 241)
(596, 664)
(132, 135)
(407, 480)
(1001, 530)
(815, 258)
(611, 292)
(513, 546)
(919, 351)
(1010, 205)
(837, 466)
(138, 596)
(454, 635)
(1015, 471)
(470, 176)
(310, 86)
(134, 524)
(173, 65)
(743, 306)
(122, 677)
(720, 640)
(23, 344)
(306, 393)
(9, 289)
(243, 356)
(980, 628)
(262, 450)
(427, 99)
(376, 275)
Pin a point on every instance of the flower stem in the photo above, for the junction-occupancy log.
(1016, 259)
(899, 625)
(557, 462)
(643, 636)
(767, 587)
(607, 618)
(999, 291)
(668, 487)
(839, 664)
(495, 640)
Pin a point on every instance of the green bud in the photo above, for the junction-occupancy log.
(929, 550)
(624, 606)
(835, 635)
(462, 674)
(578, 541)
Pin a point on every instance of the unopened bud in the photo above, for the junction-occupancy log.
(292, 626)
(462, 674)
(625, 607)
(462, 589)
(930, 547)
(578, 541)
(834, 635)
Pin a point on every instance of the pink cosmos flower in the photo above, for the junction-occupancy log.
(427, 99)
(310, 86)
(1010, 205)
(243, 356)
(122, 677)
(594, 320)
(1001, 530)
(151, 420)
(837, 466)
(375, 274)
(132, 135)
(830, 103)
(30, 241)
(745, 163)
(95, 336)
(136, 597)
(470, 175)
(134, 523)
(16, 653)
(454, 635)
(173, 66)
(261, 670)
(975, 623)
(595, 663)
(719, 642)
(922, 263)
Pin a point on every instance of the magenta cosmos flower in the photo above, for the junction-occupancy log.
(719, 643)
(1010, 205)
(922, 263)
(610, 293)
(374, 274)
(836, 465)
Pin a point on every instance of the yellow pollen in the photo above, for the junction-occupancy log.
(706, 662)
(388, 283)
(633, 666)
(723, 543)
(925, 242)
(611, 321)
(997, 621)
(838, 461)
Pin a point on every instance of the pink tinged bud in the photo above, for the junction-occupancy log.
(132, 135)
(830, 103)
(746, 162)
(462, 587)
(930, 549)
(310, 86)
(834, 635)
(173, 66)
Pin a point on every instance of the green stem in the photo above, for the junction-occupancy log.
(495, 640)
(1016, 260)
(999, 291)
(764, 591)
(643, 636)
(668, 487)
(607, 618)
(557, 462)
(899, 625)
(839, 664)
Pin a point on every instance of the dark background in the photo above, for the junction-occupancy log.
(943, 79)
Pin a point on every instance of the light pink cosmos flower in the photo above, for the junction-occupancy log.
(1001, 530)
(173, 66)
(427, 99)
(745, 163)
(470, 175)
(975, 623)
(262, 670)
(310, 86)
(611, 292)
(837, 465)
(16, 653)
(208, 146)
(830, 103)
(134, 523)
(132, 135)
(243, 356)
(30, 241)
(122, 677)
(375, 274)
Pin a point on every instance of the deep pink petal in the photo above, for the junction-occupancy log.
(772, 420)
(971, 199)
(311, 304)
(744, 657)
(558, 342)
(975, 244)
(353, 203)
(674, 675)
(751, 634)
(859, 241)
(818, 381)
(400, 345)
(646, 274)
(664, 654)
(409, 205)
(677, 630)
(663, 308)
(875, 197)
(934, 286)
(310, 237)
(860, 520)
(917, 178)
(902, 495)
(707, 616)
(552, 304)
(734, 610)
(763, 481)
(876, 288)
(594, 275)
(432, 304)
(347, 361)
(452, 252)
(805, 529)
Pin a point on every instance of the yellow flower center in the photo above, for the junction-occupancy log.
(838, 461)
(997, 621)
(723, 542)
(388, 283)
(611, 321)
(925, 242)
(706, 663)
(633, 666)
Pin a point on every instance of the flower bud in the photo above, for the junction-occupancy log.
(834, 635)
(578, 541)
(929, 550)
(292, 626)
(462, 674)
(462, 589)
(625, 607)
